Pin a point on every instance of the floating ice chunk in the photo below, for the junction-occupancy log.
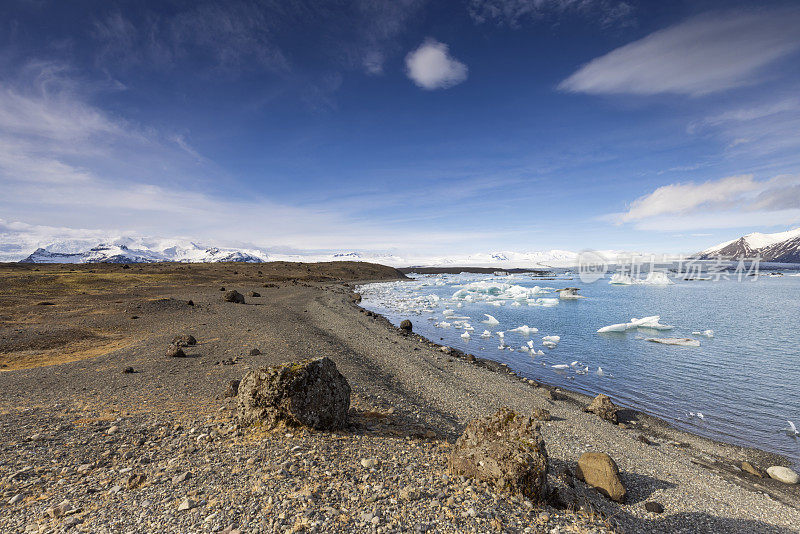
(448, 312)
(530, 344)
(546, 302)
(491, 321)
(654, 278)
(549, 344)
(486, 334)
(540, 352)
(443, 324)
(501, 335)
(707, 333)
(569, 293)
(516, 303)
(465, 335)
(681, 341)
(600, 371)
(699, 415)
(560, 366)
(497, 303)
(525, 348)
(651, 322)
(552, 339)
(468, 327)
(622, 279)
(525, 330)
(657, 278)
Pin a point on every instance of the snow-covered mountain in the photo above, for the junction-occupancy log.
(130, 250)
(782, 247)
(150, 250)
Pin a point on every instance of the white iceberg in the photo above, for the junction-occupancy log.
(707, 333)
(486, 334)
(651, 322)
(654, 278)
(443, 324)
(465, 335)
(560, 366)
(525, 330)
(657, 278)
(552, 339)
(491, 321)
(622, 279)
(680, 341)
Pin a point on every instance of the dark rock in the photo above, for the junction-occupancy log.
(506, 451)
(255, 294)
(45, 303)
(222, 288)
(184, 340)
(254, 352)
(603, 408)
(653, 507)
(174, 351)
(233, 389)
(540, 414)
(190, 303)
(644, 439)
(270, 285)
(126, 266)
(233, 296)
(128, 370)
(310, 392)
(406, 325)
(600, 471)
(136, 480)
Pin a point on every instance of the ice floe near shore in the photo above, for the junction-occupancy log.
(525, 330)
(651, 322)
(654, 278)
(497, 293)
(707, 333)
(681, 341)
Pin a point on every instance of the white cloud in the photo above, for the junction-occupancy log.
(705, 54)
(432, 67)
(730, 202)
(682, 198)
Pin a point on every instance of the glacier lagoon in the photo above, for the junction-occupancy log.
(744, 377)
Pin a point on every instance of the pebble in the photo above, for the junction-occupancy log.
(15, 499)
(369, 463)
(113, 430)
(187, 504)
(783, 474)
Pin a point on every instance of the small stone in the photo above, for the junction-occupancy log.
(174, 351)
(128, 370)
(747, 467)
(114, 490)
(136, 480)
(233, 296)
(113, 430)
(255, 294)
(15, 499)
(254, 352)
(783, 474)
(177, 479)
(540, 414)
(187, 504)
(653, 507)
(410, 493)
(369, 463)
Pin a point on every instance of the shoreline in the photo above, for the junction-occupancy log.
(633, 418)
(174, 424)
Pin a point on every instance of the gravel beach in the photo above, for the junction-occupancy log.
(101, 431)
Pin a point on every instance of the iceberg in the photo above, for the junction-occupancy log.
(680, 341)
(552, 339)
(569, 293)
(486, 334)
(443, 324)
(465, 335)
(560, 366)
(651, 322)
(491, 321)
(707, 333)
(525, 330)
(654, 278)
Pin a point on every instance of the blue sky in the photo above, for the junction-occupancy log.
(402, 126)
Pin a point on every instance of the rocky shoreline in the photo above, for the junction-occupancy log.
(90, 447)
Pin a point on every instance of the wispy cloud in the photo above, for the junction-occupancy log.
(515, 12)
(733, 201)
(705, 54)
(432, 67)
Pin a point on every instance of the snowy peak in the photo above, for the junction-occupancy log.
(781, 247)
(127, 250)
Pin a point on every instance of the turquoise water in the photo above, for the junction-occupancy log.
(745, 380)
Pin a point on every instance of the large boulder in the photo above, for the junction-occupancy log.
(603, 408)
(600, 471)
(505, 450)
(783, 474)
(310, 393)
(233, 296)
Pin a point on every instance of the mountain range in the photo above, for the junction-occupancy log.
(780, 247)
